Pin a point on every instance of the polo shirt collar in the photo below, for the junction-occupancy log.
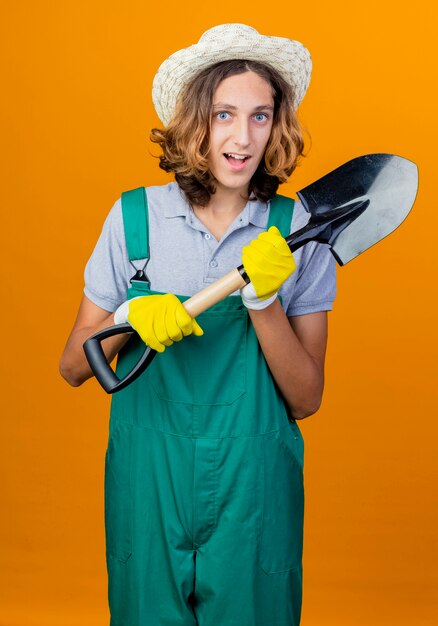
(255, 211)
(258, 213)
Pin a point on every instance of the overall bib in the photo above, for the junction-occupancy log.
(204, 497)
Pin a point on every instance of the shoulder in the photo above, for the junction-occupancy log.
(161, 197)
(165, 200)
(300, 217)
(113, 224)
(162, 201)
(163, 191)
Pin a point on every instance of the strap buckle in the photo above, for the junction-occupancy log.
(140, 275)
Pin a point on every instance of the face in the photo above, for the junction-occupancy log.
(243, 111)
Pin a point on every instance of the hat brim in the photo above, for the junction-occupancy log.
(290, 58)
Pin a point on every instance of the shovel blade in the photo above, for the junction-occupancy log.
(390, 184)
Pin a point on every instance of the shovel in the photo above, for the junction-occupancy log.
(351, 208)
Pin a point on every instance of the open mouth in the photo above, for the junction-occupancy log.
(236, 158)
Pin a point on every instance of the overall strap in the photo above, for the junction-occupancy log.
(136, 223)
(280, 214)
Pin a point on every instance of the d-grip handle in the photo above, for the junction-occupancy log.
(200, 302)
(102, 370)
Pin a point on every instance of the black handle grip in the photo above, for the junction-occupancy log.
(100, 366)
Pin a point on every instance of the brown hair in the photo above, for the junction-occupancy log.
(185, 141)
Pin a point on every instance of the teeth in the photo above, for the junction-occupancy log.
(235, 156)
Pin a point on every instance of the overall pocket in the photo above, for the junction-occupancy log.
(207, 370)
(118, 497)
(281, 538)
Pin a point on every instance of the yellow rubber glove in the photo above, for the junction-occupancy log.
(268, 261)
(159, 320)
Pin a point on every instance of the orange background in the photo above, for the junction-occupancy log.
(76, 113)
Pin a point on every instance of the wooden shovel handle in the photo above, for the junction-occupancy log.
(214, 293)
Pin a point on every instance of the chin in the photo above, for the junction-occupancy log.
(234, 182)
(242, 187)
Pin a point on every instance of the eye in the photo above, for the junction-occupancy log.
(261, 117)
(222, 115)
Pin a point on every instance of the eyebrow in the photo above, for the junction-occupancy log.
(261, 107)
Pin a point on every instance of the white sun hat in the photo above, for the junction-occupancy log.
(222, 43)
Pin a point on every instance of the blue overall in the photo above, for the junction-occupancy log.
(204, 496)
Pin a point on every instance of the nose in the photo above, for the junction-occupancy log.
(241, 132)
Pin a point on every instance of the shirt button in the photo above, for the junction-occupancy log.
(213, 263)
(207, 236)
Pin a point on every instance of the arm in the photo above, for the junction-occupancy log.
(294, 349)
(106, 279)
(73, 365)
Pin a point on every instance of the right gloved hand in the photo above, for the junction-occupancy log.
(159, 319)
(268, 261)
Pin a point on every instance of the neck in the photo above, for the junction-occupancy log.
(220, 212)
(226, 202)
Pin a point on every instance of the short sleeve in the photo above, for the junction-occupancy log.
(315, 287)
(107, 271)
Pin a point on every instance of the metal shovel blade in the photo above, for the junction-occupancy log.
(387, 181)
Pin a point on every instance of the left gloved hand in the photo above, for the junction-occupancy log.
(268, 261)
(159, 319)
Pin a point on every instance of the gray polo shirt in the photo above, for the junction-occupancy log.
(185, 256)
